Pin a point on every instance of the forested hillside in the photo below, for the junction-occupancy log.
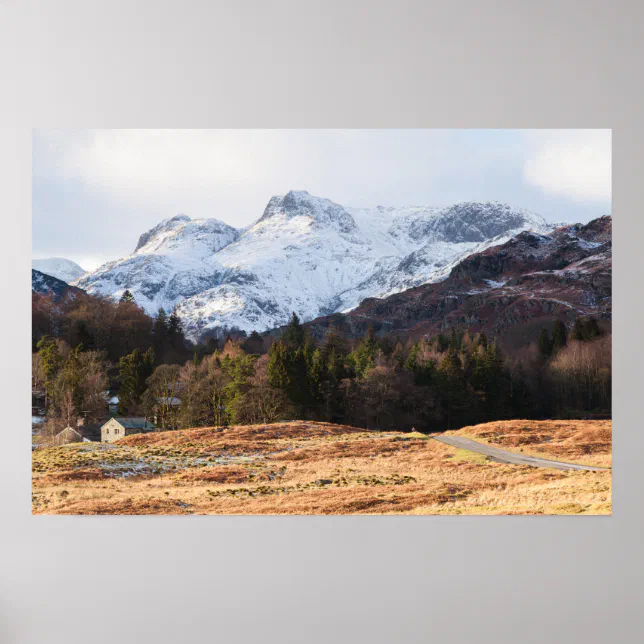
(87, 349)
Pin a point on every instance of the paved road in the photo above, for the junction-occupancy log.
(501, 455)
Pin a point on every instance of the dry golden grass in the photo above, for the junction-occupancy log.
(305, 468)
(586, 442)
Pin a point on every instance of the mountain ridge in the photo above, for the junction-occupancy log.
(304, 253)
(509, 290)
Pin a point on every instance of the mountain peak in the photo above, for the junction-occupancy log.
(58, 267)
(187, 236)
(296, 200)
(165, 225)
(321, 211)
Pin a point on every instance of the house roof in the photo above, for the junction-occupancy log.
(134, 422)
(67, 430)
(92, 431)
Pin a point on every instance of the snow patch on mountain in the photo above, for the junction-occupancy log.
(58, 267)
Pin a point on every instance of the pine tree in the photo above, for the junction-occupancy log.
(174, 325)
(253, 344)
(478, 369)
(577, 330)
(520, 395)
(70, 378)
(493, 359)
(160, 328)
(83, 334)
(494, 381)
(128, 377)
(364, 354)
(469, 363)
(559, 336)
(370, 335)
(160, 333)
(386, 346)
(294, 333)
(452, 387)
(591, 328)
(149, 359)
(51, 358)
(544, 344)
(278, 368)
(127, 296)
(454, 340)
(585, 329)
(334, 340)
(52, 361)
(442, 343)
(317, 375)
(399, 353)
(212, 345)
(334, 365)
(411, 363)
(240, 370)
(330, 389)
(134, 369)
(299, 391)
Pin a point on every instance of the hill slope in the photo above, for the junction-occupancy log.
(44, 284)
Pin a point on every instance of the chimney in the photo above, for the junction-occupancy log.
(80, 422)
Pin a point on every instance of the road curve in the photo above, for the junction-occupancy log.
(501, 455)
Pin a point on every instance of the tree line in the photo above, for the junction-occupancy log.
(441, 382)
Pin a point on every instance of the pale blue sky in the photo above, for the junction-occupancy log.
(96, 191)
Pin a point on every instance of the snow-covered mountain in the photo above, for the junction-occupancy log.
(171, 261)
(59, 267)
(304, 254)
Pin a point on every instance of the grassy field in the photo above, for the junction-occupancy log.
(321, 468)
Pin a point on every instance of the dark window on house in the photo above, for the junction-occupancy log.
(116, 430)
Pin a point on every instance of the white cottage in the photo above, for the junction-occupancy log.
(116, 428)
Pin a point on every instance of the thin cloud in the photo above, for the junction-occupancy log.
(572, 163)
(96, 191)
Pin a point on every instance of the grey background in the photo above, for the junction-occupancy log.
(319, 64)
